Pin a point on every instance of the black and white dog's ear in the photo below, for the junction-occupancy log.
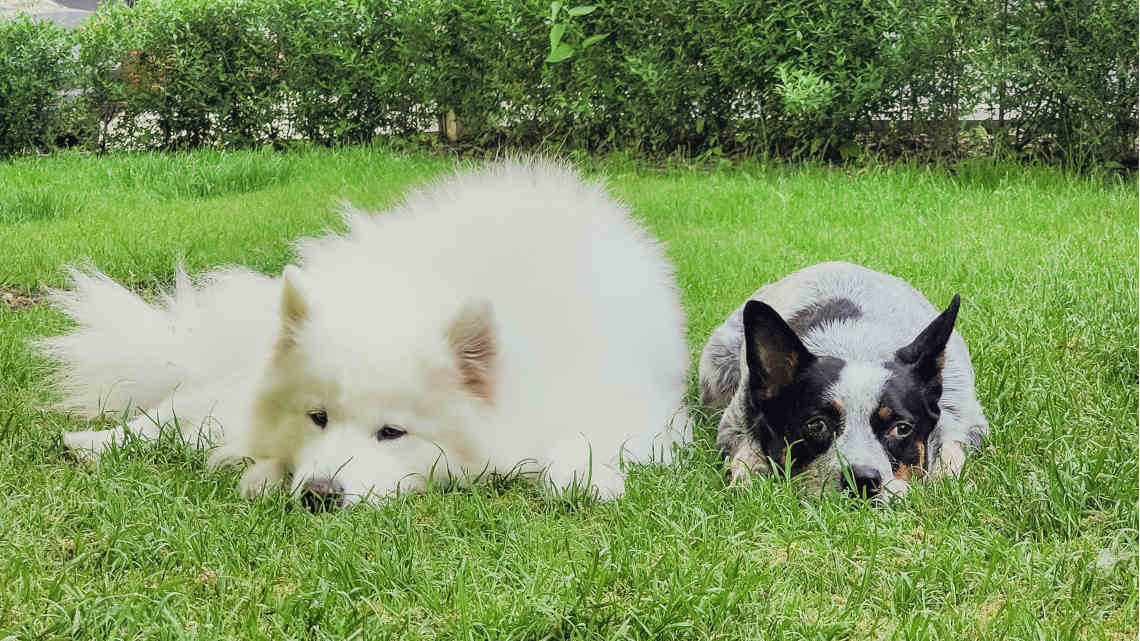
(927, 353)
(775, 355)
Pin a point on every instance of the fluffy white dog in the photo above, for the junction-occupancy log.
(513, 318)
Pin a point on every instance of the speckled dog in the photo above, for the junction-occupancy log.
(847, 375)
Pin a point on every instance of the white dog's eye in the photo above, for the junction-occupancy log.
(389, 432)
(901, 429)
(319, 417)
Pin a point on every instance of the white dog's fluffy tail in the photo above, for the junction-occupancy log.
(128, 353)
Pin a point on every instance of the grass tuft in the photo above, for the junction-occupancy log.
(35, 205)
(200, 175)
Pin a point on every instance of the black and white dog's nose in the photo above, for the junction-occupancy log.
(322, 494)
(863, 480)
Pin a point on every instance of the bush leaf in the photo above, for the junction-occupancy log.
(556, 32)
(582, 10)
(593, 40)
(560, 53)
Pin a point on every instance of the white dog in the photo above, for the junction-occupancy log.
(514, 318)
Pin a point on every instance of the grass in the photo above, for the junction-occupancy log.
(1038, 540)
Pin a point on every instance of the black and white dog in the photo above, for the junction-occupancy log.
(844, 377)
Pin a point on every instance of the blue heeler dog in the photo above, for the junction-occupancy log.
(847, 376)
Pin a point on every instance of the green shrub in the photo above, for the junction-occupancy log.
(184, 73)
(801, 77)
(345, 69)
(1067, 73)
(934, 77)
(794, 78)
(35, 68)
(644, 87)
(481, 61)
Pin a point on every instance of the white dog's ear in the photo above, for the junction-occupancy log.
(294, 306)
(471, 337)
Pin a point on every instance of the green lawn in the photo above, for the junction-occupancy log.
(1038, 541)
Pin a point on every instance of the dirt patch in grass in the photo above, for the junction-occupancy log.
(15, 298)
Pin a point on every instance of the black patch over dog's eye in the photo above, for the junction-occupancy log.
(389, 432)
(901, 429)
(319, 418)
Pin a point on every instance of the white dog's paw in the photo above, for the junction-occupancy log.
(259, 476)
(610, 483)
(90, 444)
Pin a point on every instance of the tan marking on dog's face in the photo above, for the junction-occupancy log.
(885, 413)
(913, 472)
(840, 408)
(918, 472)
(902, 471)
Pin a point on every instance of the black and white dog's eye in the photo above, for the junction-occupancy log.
(389, 432)
(901, 429)
(319, 418)
(817, 426)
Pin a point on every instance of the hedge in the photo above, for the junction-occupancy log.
(35, 68)
(794, 78)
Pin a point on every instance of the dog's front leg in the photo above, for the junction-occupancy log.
(958, 431)
(747, 459)
(260, 475)
(949, 461)
(606, 479)
(93, 443)
(953, 439)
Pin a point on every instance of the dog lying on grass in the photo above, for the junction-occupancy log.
(513, 318)
(846, 377)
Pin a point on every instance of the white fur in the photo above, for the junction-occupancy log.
(590, 360)
(859, 388)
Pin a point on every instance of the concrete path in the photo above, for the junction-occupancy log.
(65, 13)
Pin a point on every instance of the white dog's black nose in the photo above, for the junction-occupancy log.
(862, 480)
(322, 494)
